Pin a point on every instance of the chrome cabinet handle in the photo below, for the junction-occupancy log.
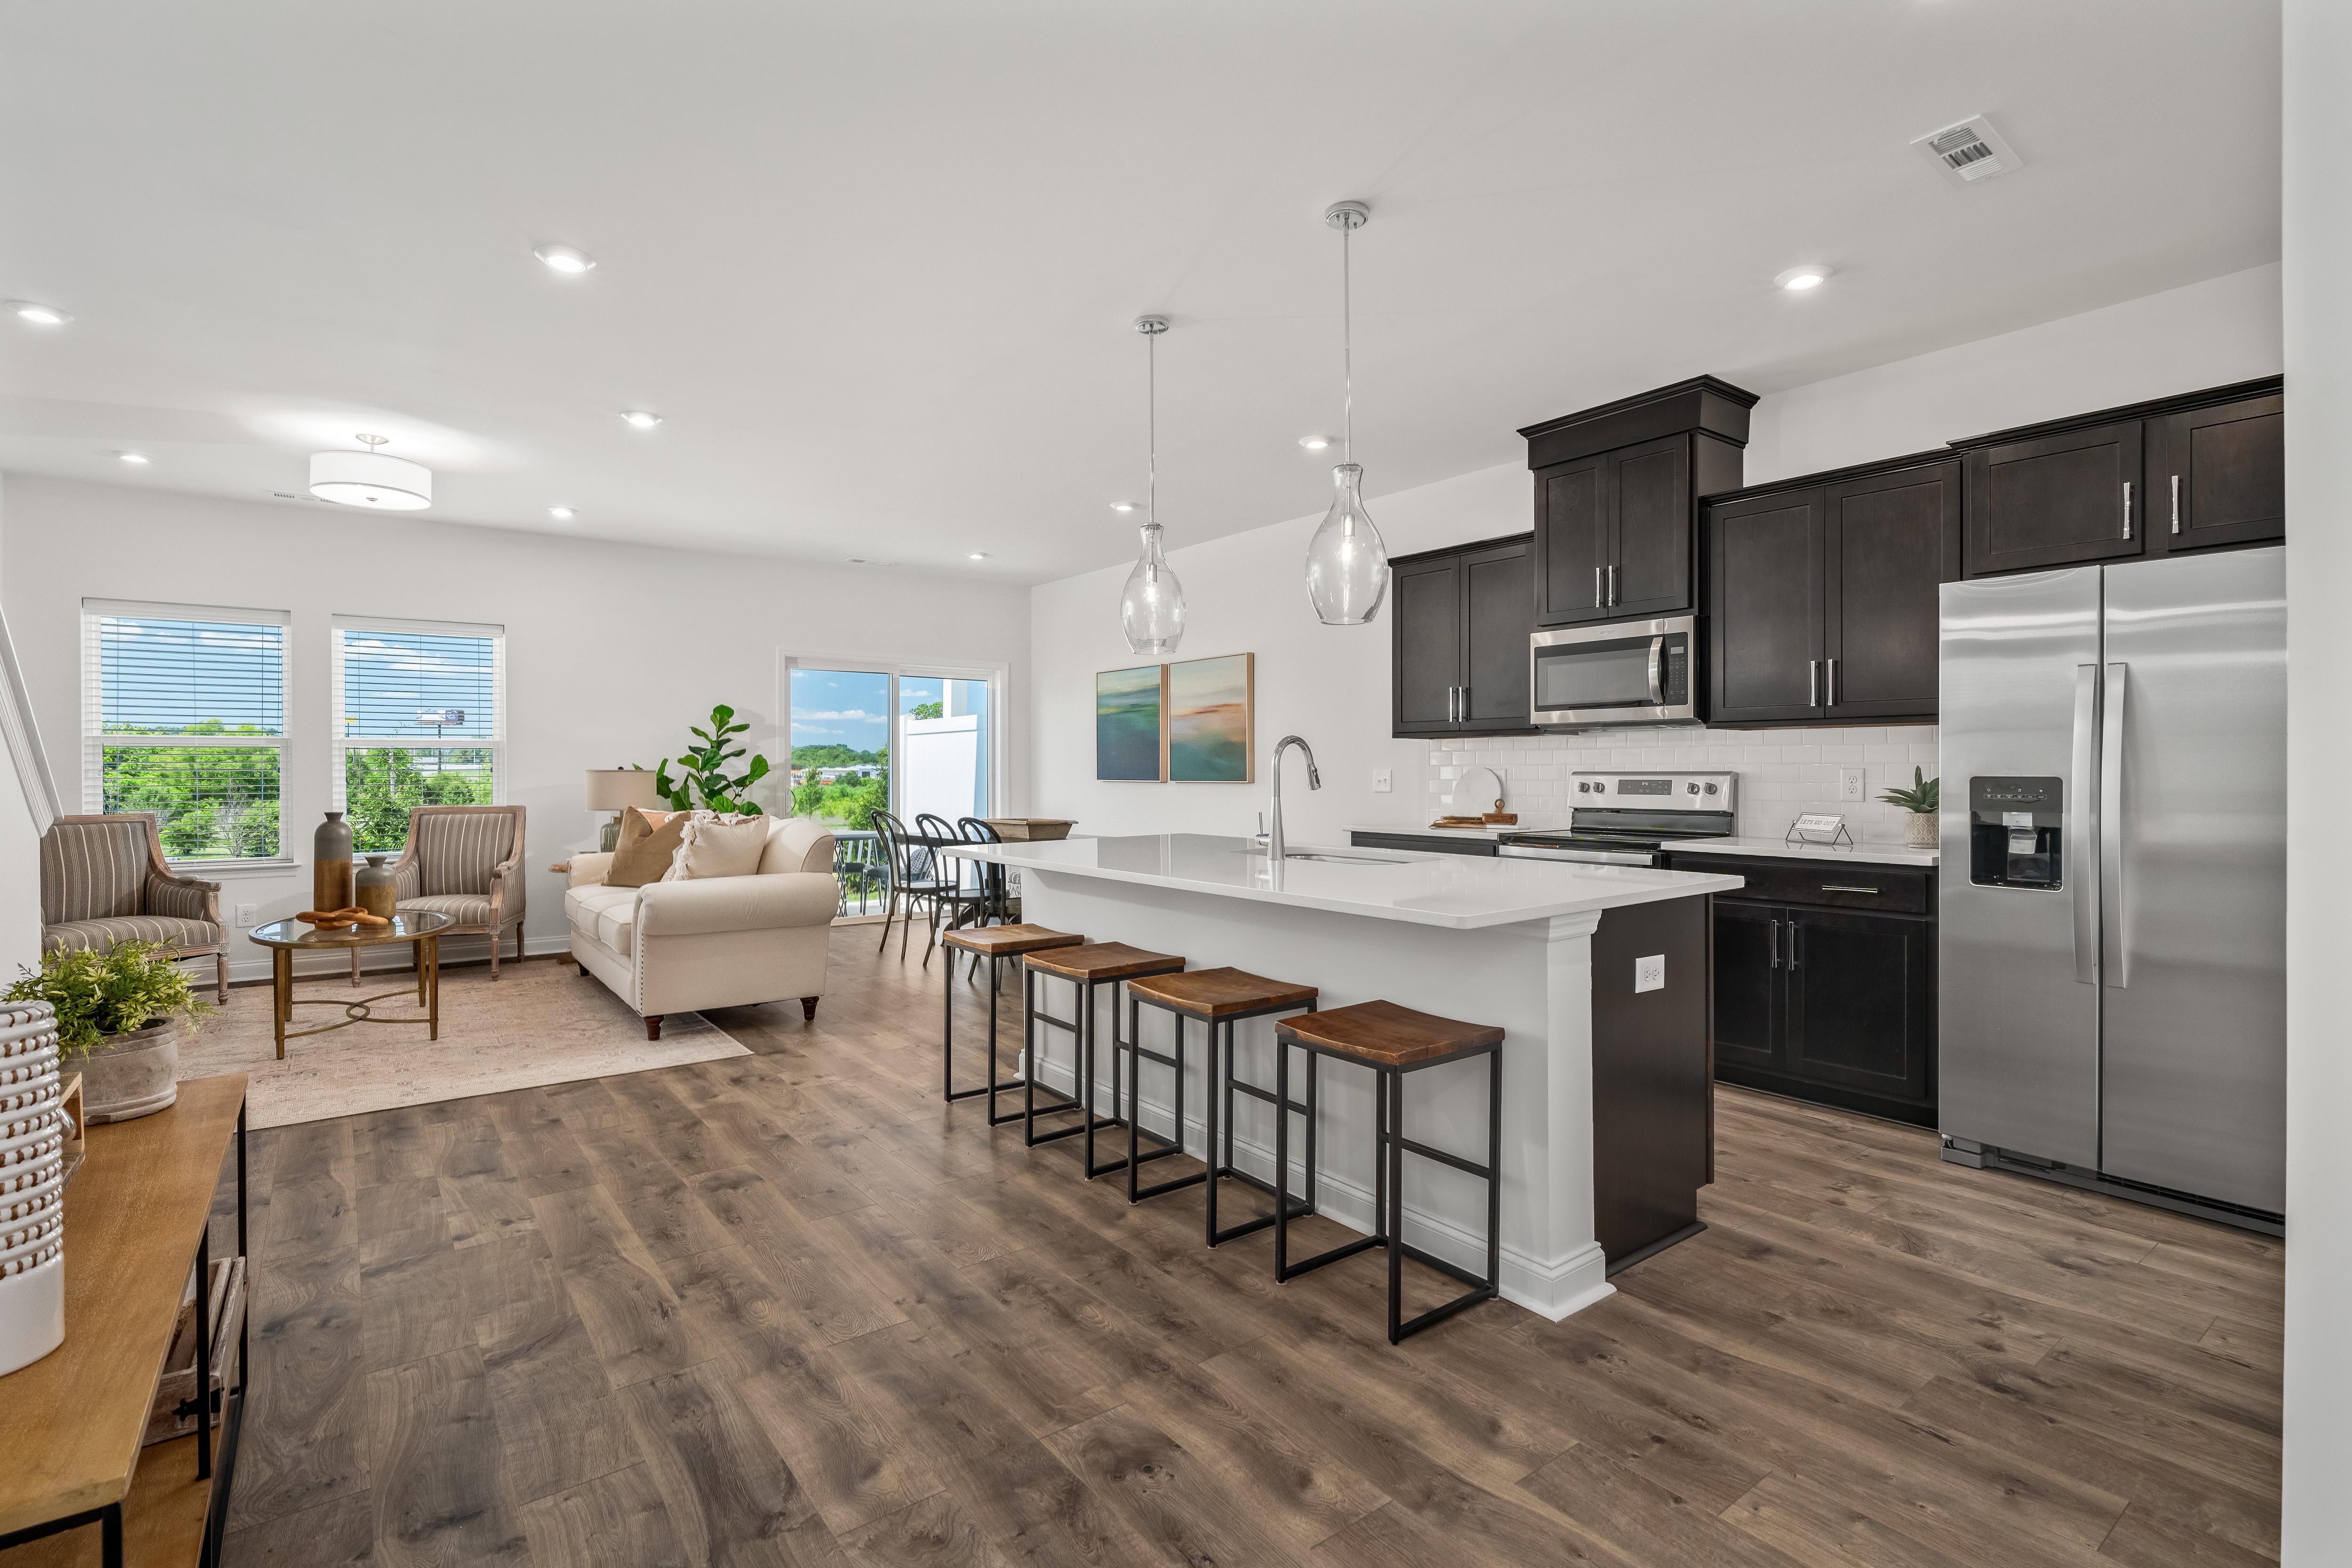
(2126, 508)
(1600, 593)
(1775, 946)
(1792, 944)
(1616, 597)
(1842, 888)
(1464, 698)
(1812, 683)
(1829, 685)
(2176, 504)
(2114, 939)
(2080, 821)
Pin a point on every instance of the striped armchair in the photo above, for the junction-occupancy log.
(104, 880)
(465, 862)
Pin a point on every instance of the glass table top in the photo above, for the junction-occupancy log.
(404, 927)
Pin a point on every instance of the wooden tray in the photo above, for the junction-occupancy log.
(1031, 829)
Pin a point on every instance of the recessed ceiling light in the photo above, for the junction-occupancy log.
(980, 555)
(136, 460)
(1315, 443)
(562, 514)
(1797, 279)
(43, 315)
(641, 418)
(564, 259)
(1122, 505)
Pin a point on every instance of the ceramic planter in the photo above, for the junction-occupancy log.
(1919, 830)
(132, 1075)
(32, 1179)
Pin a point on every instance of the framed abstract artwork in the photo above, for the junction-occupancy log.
(1130, 728)
(1212, 705)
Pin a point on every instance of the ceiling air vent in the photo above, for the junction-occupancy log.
(1970, 150)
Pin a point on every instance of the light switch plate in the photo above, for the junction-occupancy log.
(1383, 780)
(1650, 973)
(1851, 784)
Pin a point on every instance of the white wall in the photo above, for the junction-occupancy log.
(2316, 1522)
(612, 650)
(20, 849)
(2223, 330)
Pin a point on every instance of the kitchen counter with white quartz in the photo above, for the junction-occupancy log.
(1466, 892)
(1861, 855)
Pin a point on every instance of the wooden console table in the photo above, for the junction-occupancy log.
(77, 1488)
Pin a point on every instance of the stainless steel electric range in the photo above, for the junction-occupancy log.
(1632, 819)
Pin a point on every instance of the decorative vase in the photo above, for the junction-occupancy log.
(1919, 830)
(330, 864)
(130, 1075)
(372, 888)
(32, 1187)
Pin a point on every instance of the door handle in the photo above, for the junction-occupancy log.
(1830, 684)
(1600, 593)
(2080, 818)
(2115, 934)
(1774, 947)
(1614, 595)
(2126, 508)
(1812, 683)
(1461, 697)
(1792, 943)
(1657, 672)
(2176, 504)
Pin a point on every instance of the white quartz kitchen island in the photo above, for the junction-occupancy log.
(1508, 942)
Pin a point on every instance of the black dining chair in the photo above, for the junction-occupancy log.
(913, 880)
(986, 898)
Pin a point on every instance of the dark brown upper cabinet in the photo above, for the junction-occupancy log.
(1820, 593)
(1461, 620)
(2200, 471)
(1616, 492)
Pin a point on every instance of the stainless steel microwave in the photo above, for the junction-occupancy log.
(1629, 672)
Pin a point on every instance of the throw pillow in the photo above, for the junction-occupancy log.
(716, 846)
(649, 841)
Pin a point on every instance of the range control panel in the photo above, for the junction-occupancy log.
(1655, 792)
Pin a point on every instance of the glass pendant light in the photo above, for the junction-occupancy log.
(1151, 608)
(1347, 564)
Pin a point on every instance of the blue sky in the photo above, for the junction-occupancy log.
(851, 707)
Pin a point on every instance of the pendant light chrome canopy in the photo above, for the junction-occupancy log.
(1347, 563)
(1152, 607)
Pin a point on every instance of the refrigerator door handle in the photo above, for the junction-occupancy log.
(2115, 957)
(2079, 820)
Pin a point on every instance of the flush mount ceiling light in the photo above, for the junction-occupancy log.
(1347, 564)
(136, 460)
(1122, 505)
(1151, 605)
(562, 514)
(565, 259)
(1797, 279)
(1315, 443)
(641, 418)
(370, 479)
(39, 314)
(980, 555)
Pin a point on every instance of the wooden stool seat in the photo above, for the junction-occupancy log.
(1381, 1033)
(1220, 993)
(1009, 942)
(1101, 960)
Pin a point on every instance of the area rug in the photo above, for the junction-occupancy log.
(542, 1022)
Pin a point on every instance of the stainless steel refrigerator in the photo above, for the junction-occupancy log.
(2113, 880)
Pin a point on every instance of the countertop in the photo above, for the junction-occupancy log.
(1423, 830)
(1862, 855)
(1462, 891)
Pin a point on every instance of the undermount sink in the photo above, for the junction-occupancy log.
(1334, 859)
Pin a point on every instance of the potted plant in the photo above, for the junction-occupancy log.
(120, 1013)
(1922, 800)
(705, 769)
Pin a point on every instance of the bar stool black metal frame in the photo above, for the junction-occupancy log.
(1083, 1028)
(1220, 1165)
(994, 1086)
(1391, 1147)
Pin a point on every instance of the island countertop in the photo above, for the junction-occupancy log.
(1462, 893)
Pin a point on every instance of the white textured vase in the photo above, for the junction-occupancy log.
(32, 1187)
(1919, 830)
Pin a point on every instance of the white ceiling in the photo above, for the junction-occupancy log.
(875, 262)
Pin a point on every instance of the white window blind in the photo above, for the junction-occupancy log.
(420, 720)
(183, 715)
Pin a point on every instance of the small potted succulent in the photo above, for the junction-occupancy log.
(1922, 800)
(119, 1015)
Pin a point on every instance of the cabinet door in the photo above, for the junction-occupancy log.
(2057, 500)
(1427, 596)
(1649, 496)
(1749, 942)
(1572, 541)
(1764, 609)
(1858, 993)
(1498, 606)
(1889, 543)
(2218, 475)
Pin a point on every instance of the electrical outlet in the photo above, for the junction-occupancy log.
(1383, 780)
(247, 914)
(1851, 784)
(1650, 973)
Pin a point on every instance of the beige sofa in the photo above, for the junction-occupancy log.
(715, 941)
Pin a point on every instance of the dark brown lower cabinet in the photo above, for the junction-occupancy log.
(1835, 1005)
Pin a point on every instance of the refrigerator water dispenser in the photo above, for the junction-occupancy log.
(2014, 833)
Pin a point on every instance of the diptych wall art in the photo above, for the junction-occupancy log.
(1130, 740)
(1191, 722)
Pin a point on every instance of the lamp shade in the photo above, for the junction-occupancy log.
(371, 479)
(617, 789)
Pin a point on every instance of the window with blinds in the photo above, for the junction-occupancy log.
(420, 720)
(183, 715)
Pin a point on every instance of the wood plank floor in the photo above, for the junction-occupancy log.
(789, 1308)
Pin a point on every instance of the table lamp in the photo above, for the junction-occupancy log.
(617, 789)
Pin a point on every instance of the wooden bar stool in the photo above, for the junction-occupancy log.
(1218, 998)
(1394, 1041)
(994, 944)
(1087, 968)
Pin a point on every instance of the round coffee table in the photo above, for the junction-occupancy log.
(283, 939)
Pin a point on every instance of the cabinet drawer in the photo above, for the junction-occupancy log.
(1892, 890)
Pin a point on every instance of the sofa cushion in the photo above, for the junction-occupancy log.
(607, 915)
(646, 848)
(465, 909)
(72, 936)
(719, 845)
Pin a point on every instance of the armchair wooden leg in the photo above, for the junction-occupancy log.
(808, 1007)
(494, 953)
(220, 983)
(653, 1025)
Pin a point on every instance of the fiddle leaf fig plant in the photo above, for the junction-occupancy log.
(1921, 799)
(704, 769)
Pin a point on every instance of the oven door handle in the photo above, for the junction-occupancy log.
(1657, 672)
